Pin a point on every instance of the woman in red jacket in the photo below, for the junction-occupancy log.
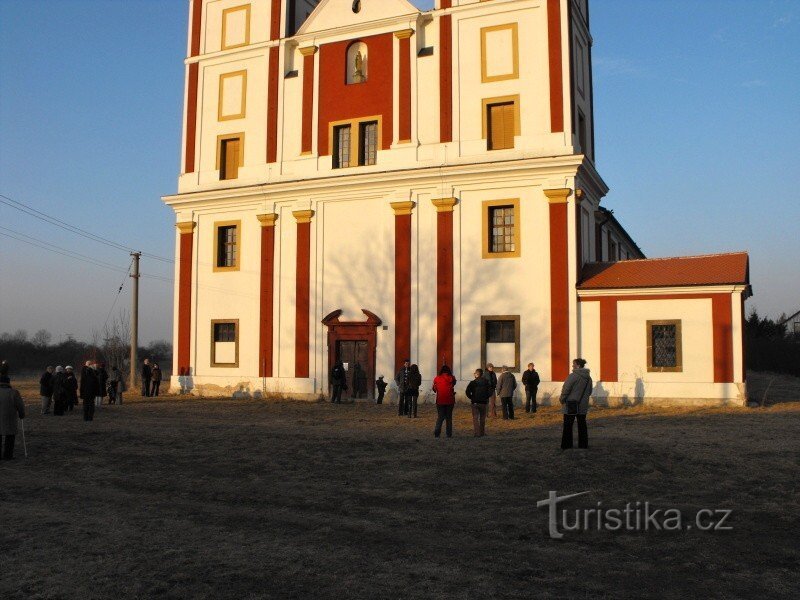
(444, 385)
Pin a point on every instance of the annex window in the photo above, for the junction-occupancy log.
(664, 351)
(502, 125)
(230, 152)
(368, 143)
(225, 343)
(582, 133)
(501, 229)
(613, 250)
(598, 242)
(226, 246)
(341, 146)
(500, 341)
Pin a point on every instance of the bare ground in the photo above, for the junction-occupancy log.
(199, 498)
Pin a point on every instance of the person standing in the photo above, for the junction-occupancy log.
(71, 387)
(88, 390)
(530, 379)
(444, 386)
(479, 392)
(338, 382)
(59, 391)
(575, 400)
(147, 374)
(412, 391)
(156, 385)
(401, 379)
(506, 384)
(380, 384)
(46, 389)
(491, 377)
(116, 385)
(102, 380)
(11, 407)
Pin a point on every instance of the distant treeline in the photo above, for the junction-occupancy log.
(29, 357)
(770, 347)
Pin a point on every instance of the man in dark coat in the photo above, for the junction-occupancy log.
(71, 387)
(11, 407)
(147, 375)
(59, 391)
(401, 379)
(102, 381)
(88, 390)
(491, 377)
(46, 389)
(506, 384)
(338, 381)
(530, 379)
(380, 384)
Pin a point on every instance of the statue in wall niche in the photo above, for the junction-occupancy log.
(358, 71)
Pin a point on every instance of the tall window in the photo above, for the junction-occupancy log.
(368, 143)
(225, 343)
(613, 250)
(582, 133)
(500, 341)
(226, 246)
(502, 233)
(230, 157)
(341, 146)
(664, 352)
(501, 119)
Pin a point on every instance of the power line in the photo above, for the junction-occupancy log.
(29, 210)
(65, 253)
(119, 291)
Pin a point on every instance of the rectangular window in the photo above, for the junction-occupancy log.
(598, 242)
(501, 121)
(500, 341)
(613, 255)
(341, 146)
(230, 157)
(582, 133)
(501, 229)
(226, 246)
(225, 343)
(368, 143)
(664, 349)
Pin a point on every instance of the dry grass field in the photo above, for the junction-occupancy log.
(200, 498)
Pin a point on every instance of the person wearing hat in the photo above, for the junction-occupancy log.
(59, 391)
(381, 385)
(71, 386)
(46, 389)
(403, 399)
(11, 407)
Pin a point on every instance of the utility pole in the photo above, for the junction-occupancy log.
(134, 318)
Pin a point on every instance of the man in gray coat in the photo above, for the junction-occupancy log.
(575, 401)
(11, 406)
(506, 384)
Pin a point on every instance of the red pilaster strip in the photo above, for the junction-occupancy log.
(444, 280)
(555, 64)
(191, 119)
(722, 317)
(303, 294)
(608, 340)
(272, 106)
(405, 85)
(197, 14)
(275, 20)
(185, 297)
(559, 284)
(266, 305)
(308, 99)
(446, 77)
(402, 281)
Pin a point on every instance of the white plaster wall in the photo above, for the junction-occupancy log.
(212, 24)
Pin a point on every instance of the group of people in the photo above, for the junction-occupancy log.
(151, 379)
(60, 388)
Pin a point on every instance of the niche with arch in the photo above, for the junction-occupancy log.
(357, 64)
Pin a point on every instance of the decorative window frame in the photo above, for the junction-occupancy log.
(237, 264)
(678, 368)
(230, 136)
(485, 77)
(214, 363)
(225, 13)
(220, 97)
(486, 102)
(516, 318)
(486, 207)
(355, 125)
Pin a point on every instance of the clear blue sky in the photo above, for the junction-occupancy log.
(697, 132)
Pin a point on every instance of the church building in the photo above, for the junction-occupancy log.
(368, 182)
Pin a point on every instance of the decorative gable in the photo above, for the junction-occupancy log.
(331, 14)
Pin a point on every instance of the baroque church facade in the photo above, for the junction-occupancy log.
(365, 181)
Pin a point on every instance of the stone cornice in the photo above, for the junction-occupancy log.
(558, 196)
(267, 219)
(303, 216)
(403, 208)
(186, 226)
(444, 204)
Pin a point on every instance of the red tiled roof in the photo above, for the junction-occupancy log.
(712, 269)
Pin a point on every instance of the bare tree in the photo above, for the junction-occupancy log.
(20, 335)
(42, 338)
(116, 342)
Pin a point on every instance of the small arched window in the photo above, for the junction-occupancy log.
(357, 64)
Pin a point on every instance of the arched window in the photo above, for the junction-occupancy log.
(357, 63)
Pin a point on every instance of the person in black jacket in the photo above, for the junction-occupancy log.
(59, 391)
(46, 389)
(412, 391)
(479, 391)
(88, 390)
(401, 379)
(530, 379)
(102, 380)
(380, 384)
(491, 377)
(147, 375)
(71, 387)
(338, 382)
